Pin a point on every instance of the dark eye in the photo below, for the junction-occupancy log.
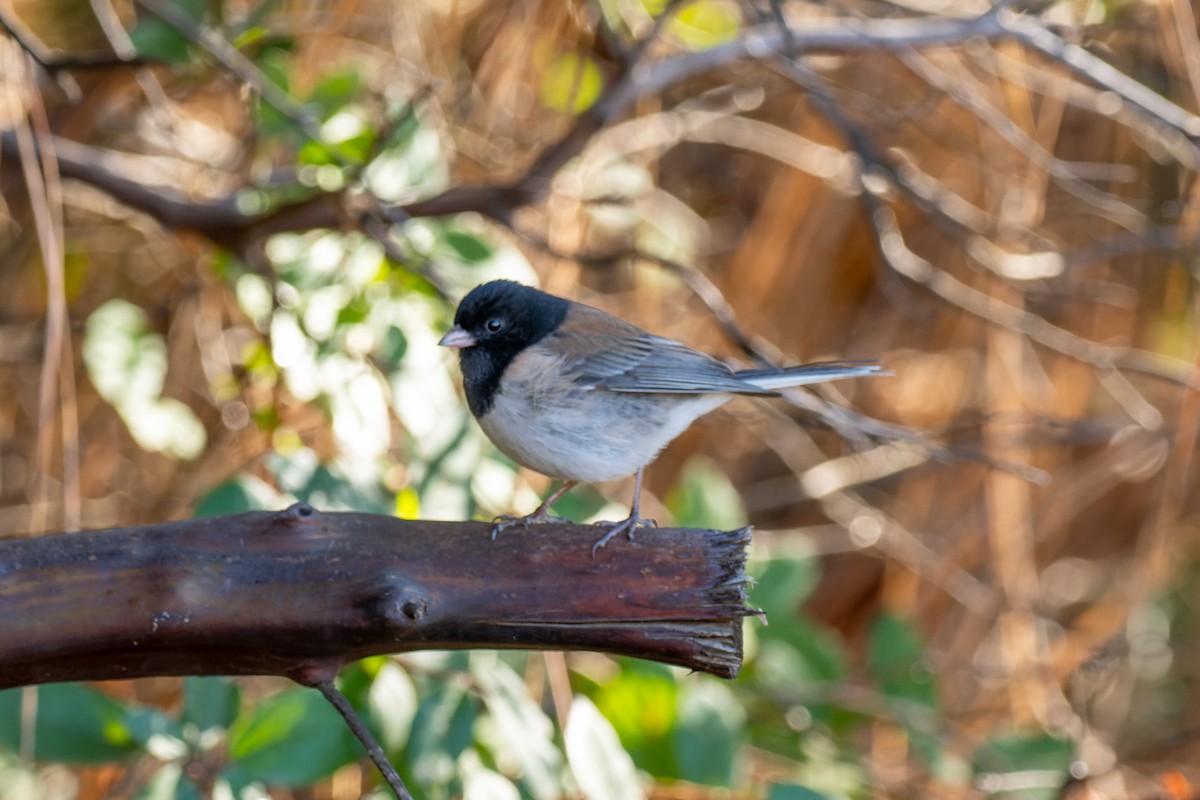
(494, 325)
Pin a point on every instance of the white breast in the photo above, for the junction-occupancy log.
(580, 433)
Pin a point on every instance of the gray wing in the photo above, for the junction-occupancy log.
(674, 368)
(652, 364)
(608, 353)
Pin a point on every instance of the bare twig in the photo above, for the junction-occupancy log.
(855, 426)
(41, 178)
(230, 58)
(364, 735)
(1064, 174)
(900, 258)
(1099, 72)
(694, 279)
(56, 62)
(224, 222)
(374, 225)
(897, 255)
(227, 224)
(114, 31)
(876, 529)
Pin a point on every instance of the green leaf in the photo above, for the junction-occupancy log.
(602, 769)
(708, 733)
(781, 587)
(641, 703)
(354, 312)
(815, 653)
(276, 64)
(210, 702)
(704, 498)
(394, 346)
(705, 23)
(515, 727)
(251, 36)
(127, 363)
(794, 791)
(392, 699)
(330, 490)
(571, 83)
(468, 247)
(820, 652)
(243, 493)
(317, 154)
(158, 734)
(292, 739)
(75, 724)
(442, 729)
(896, 660)
(169, 783)
(354, 682)
(1023, 767)
(336, 91)
(581, 503)
(156, 40)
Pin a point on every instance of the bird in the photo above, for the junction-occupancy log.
(583, 396)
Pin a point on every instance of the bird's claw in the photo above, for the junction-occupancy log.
(504, 521)
(626, 526)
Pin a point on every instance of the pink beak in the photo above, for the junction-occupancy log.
(457, 337)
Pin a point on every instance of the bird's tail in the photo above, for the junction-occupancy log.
(784, 377)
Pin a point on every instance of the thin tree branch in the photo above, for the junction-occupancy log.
(970, 97)
(899, 257)
(896, 254)
(225, 222)
(53, 62)
(41, 180)
(243, 68)
(1096, 71)
(696, 281)
(364, 735)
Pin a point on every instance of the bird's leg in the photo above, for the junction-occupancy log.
(540, 514)
(630, 523)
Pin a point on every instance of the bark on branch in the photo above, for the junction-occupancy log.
(301, 593)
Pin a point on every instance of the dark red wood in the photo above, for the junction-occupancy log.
(301, 593)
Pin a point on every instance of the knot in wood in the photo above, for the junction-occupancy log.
(393, 601)
(296, 514)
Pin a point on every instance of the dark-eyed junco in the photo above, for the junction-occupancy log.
(578, 394)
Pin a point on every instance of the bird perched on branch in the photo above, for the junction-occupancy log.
(579, 394)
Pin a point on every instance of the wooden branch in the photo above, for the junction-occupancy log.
(300, 593)
(225, 223)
